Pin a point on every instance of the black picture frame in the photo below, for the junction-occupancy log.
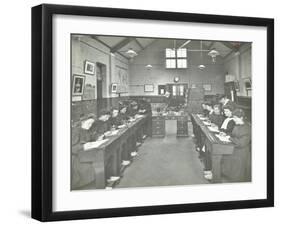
(89, 67)
(42, 107)
(78, 85)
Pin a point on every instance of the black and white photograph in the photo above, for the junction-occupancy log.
(78, 85)
(177, 117)
(164, 112)
(89, 67)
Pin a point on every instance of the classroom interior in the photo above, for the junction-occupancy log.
(170, 140)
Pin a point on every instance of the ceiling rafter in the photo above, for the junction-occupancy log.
(228, 45)
(123, 55)
(121, 44)
(231, 52)
(211, 45)
(100, 41)
(110, 48)
(139, 44)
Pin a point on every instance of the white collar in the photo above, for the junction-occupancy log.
(227, 100)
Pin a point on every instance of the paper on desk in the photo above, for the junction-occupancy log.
(207, 123)
(213, 129)
(139, 116)
(111, 133)
(93, 144)
(223, 138)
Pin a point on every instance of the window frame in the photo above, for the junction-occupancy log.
(176, 58)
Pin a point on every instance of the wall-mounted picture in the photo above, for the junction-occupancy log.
(248, 83)
(89, 92)
(148, 88)
(114, 88)
(89, 67)
(78, 85)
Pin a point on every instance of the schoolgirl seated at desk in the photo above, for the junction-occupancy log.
(93, 130)
(115, 119)
(237, 167)
(215, 115)
(228, 123)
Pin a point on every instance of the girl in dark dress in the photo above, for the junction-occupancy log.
(215, 116)
(237, 167)
(115, 119)
(228, 123)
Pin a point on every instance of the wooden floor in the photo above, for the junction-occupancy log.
(164, 162)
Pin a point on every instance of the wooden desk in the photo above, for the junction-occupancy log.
(214, 145)
(107, 158)
(158, 125)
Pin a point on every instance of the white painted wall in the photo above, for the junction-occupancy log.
(86, 48)
(240, 65)
(154, 54)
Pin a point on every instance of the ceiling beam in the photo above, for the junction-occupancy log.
(210, 45)
(139, 44)
(228, 45)
(231, 52)
(121, 54)
(121, 44)
(183, 42)
(100, 41)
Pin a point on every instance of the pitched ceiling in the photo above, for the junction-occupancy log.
(122, 44)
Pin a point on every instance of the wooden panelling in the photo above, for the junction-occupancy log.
(245, 103)
(81, 109)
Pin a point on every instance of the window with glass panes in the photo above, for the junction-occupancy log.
(176, 58)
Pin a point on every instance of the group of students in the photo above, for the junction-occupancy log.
(231, 122)
(94, 129)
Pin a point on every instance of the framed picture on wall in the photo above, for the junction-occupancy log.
(114, 88)
(248, 83)
(89, 67)
(78, 85)
(66, 163)
(148, 88)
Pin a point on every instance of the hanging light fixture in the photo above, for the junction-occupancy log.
(148, 66)
(131, 53)
(201, 66)
(213, 53)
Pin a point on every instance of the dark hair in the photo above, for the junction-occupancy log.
(229, 107)
(217, 106)
(104, 112)
(239, 113)
(222, 96)
(209, 104)
(114, 108)
(121, 106)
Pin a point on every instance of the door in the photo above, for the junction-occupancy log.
(177, 93)
(101, 82)
(230, 91)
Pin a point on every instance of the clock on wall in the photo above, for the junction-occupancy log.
(176, 79)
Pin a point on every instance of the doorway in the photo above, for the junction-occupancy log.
(101, 83)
